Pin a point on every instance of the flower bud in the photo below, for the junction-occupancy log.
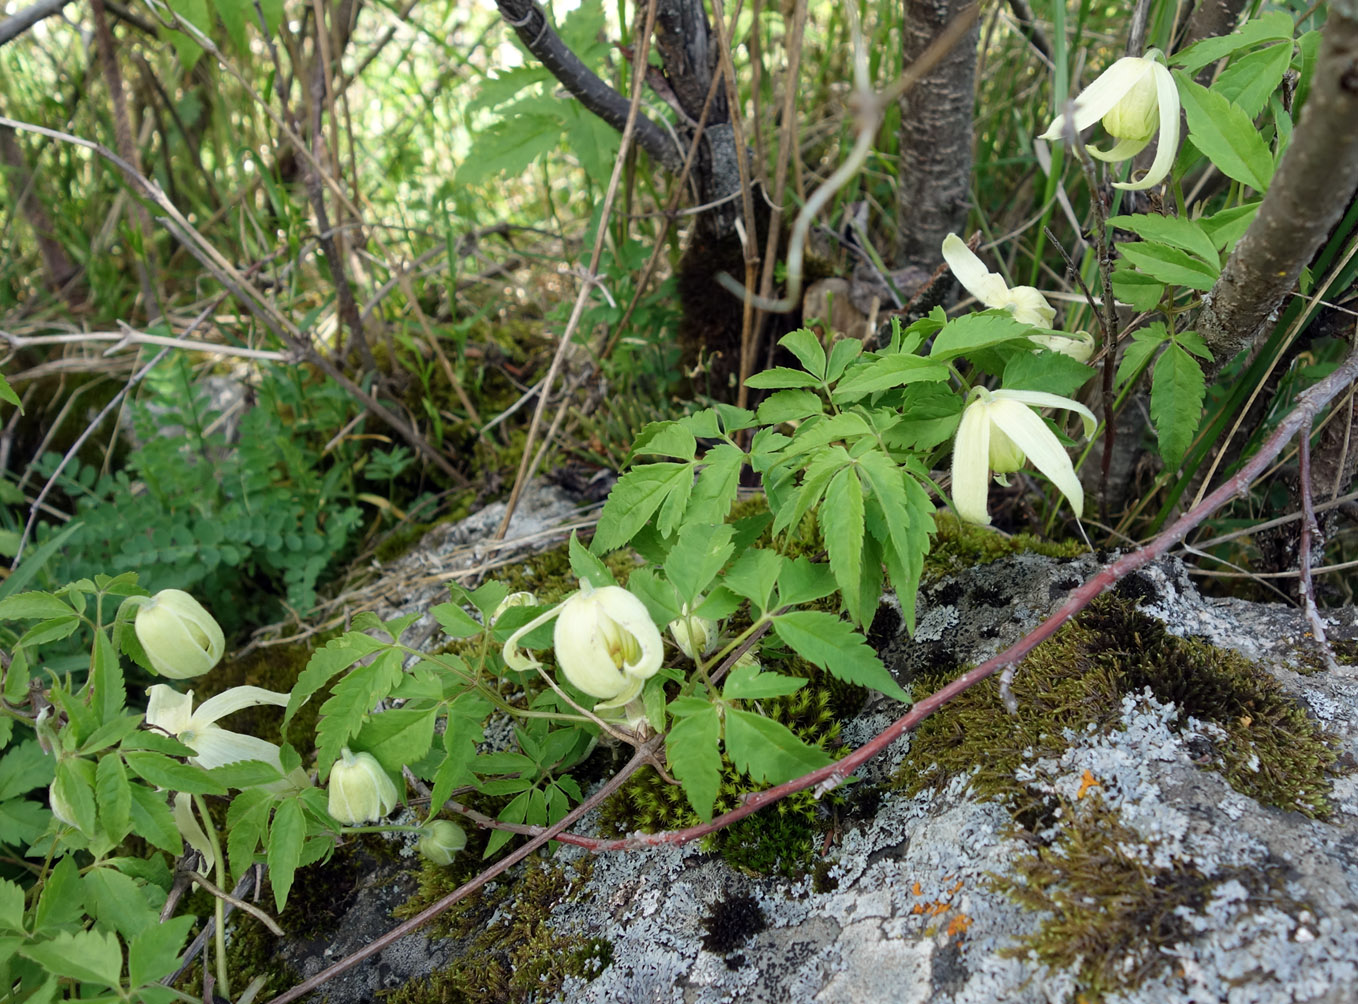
(606, 643)
(179, 637)
(441, 840)
(519, 599)
(695, 636)
(360, 790)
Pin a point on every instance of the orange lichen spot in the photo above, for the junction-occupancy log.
(917, 908)
(958, 925)
(915, 890)
(953, 890)
(1087, 781)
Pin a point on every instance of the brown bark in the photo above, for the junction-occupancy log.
(1313, 185)
(935, 137)
(58, 266)
(1210, 19)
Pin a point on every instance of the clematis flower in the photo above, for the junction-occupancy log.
(694, 635)
(1135, 98)
(1026, 304)
(519, 599)
(998, 431)
(180, 638)
(1079, 346)
(213, 746)
(441, 840)
(360, 790)
(607, 644)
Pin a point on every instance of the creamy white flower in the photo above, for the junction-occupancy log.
(694, 635)
(606, 643)
(519, 599)
(360, 790)
(999, 429)
(1079, 346)
(1135, 98)
(189, 828)
(180, 638)
(213, 746)
(1026, 304)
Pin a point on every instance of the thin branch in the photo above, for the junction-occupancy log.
(14, 26)
(1309, 529)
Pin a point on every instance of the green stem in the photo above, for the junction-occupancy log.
(219, 934)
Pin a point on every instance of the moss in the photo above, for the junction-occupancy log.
(782, 839)
(1111, 917)
(509, 951)
(958, 546)
(1271, 751)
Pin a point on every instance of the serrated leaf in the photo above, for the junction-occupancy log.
(246, 774)
(907, 516)
(11, 906)
(1176, 231)
(635, 499)
(823, 465)
(235, 15)
(781, 377)
(694, 758)
(25, 767)
(113, 795)
(8, 396)
(842, 352)
(118, 902)
(1053, 372)
(887, 371)
(1228, 226)
(154, 954)
(247, 818)
(510, 145)
(788, 406)
(747, 682)
(185, 45)
(337, 655)
(398, 736)
(106, 678)
(61, 902)
(1225, 134)
(841, 523)
(1170, 265)
(586, 567)
(1194, 343)
(665, 439)
(1251, 79)
(804, 344)
(164, 772)
(454, 621)
(90, 956)
(753, 576)
(1273, 25)
(1177, 389)
(1141, 291)
(768, 751)
(804, 581)
(832, 644)
(153, 821)
(697, 557)
(34, 605)
(1136, 354)
(717, 486)
(286, 836)
(351, 700)
(73, 785)
(970, 332)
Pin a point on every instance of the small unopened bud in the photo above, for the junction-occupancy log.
(695, 636)
(441, 840)
(360, 790)
(519, 599)
(180, 638)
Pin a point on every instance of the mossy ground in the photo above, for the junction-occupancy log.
(509, 951)
(958, 546)
(1108, 913)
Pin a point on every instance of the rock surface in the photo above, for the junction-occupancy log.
(914, 914)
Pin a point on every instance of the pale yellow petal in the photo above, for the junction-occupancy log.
(168, 709)
(1044, 450)
(970, 465)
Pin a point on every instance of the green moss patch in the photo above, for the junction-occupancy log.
(509, 951)
(958, 546)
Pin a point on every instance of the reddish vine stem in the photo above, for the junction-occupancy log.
(470, 886)
(827, 778)
(1309, 528)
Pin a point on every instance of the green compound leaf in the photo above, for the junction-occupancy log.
(587, 567)
(152, 820)
(717, 486)
(804, 344)
(154, 954)
(747, 682)
(1136, 288)
(904, 527)
(781, 377)
(113, 795)
(337, 655)
(885, 372)
(832, 644)
(635, 499)
(691, 750)
(1274, 25)
(1176, 231)
(976, 331)
(1177, 389)
(350, 702)
(841, 522)
(11, 906)
(1142, 346)
(1226, 134)
(788, 406)
(768, 751)
(1170, 265)
(89, 956)
(697, 557)
(247, 819)
(665, 439)
(286, 836)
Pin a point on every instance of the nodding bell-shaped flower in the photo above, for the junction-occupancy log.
(1135, 98)
(695, 636)
(441, 840)
(360, 790)
(180, 638)
(213, 746)
(606, 643)
(1026, 304)
(998, 431)
(1079, 346)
